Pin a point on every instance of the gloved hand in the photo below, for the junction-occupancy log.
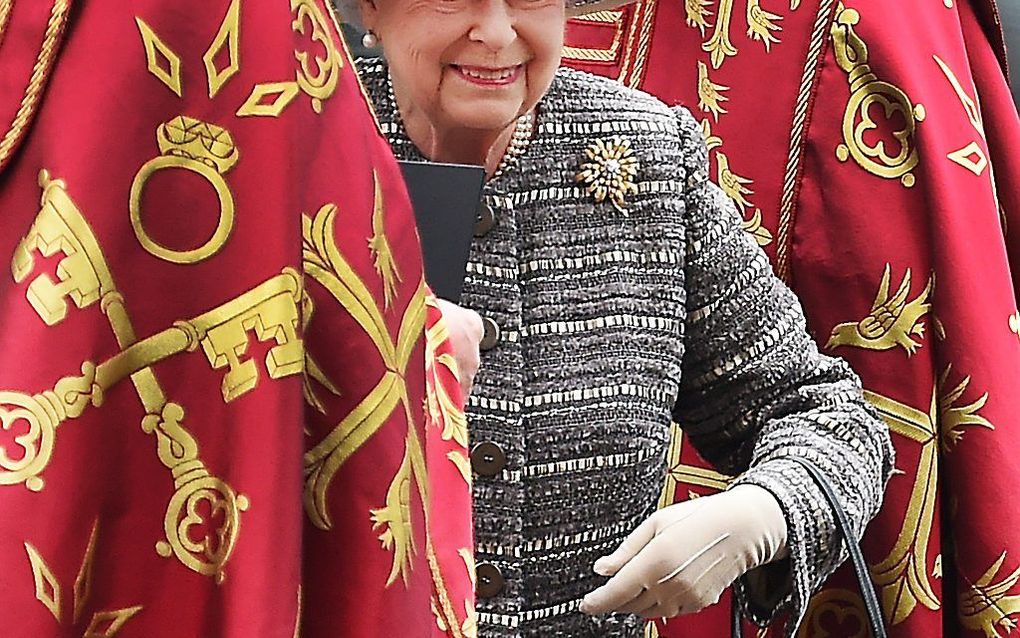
(684, 556)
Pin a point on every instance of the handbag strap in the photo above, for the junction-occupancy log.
(871, 605)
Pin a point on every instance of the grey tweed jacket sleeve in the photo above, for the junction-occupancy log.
(755, 391)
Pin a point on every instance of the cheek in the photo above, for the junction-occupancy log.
(416, 70)
(544, 38)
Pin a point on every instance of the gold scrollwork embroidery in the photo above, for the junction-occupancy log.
(320, 82)
(316, 76)
(762, 24)
(735, 186)
(755, 228)
(439, 402)
(868, 91)
(382, 254)
(678, 472)
(227, 38)
(892, 321)
(698, 14)
(201, 148)
(719, 45)
(282, 94)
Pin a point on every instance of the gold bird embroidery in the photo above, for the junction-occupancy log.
(761, 24)
(731, 183)
(710, 94)
(698, 14)
(986, 605)
(892, 320)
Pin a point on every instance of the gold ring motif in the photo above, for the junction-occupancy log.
(204, 149)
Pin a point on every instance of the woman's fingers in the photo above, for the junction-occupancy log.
(628, 549)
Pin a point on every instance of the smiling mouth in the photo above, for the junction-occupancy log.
(488, 76)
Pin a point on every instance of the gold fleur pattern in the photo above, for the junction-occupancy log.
(610, 171)
(902, 577)
(953, 418)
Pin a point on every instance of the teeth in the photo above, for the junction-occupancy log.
(487, 74)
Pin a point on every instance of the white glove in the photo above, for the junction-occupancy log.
(684, 556)
(466, 332)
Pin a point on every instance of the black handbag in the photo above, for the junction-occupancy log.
(871, 605)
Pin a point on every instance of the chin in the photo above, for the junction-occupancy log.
(485, 121)
(485, 115)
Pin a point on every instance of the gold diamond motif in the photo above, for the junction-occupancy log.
(228, 36)
(284, 93)
(83, 583)
(971, 157)
(106, 624)
(158, 55)
(47, 589)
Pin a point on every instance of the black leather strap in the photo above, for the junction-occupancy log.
(871, 606)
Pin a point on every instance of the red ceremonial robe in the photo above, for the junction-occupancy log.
(216, 417)
(871, 147)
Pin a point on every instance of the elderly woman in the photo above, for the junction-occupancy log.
(619, 293)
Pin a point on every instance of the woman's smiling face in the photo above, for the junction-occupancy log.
(474, 64)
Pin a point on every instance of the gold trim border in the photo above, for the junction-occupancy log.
(5, 14)
(801, 115)
(40, 73)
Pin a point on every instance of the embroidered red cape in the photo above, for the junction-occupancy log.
(871, 147)
(219, 412)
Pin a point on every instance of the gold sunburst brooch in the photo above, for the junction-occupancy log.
(609, 172)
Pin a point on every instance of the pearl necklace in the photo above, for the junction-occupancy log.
(520, 140)
(524, 130)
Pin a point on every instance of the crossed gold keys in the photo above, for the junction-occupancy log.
(270, 311)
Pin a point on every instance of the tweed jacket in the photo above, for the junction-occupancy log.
(612, 322)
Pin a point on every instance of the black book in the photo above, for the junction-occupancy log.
(446, 199)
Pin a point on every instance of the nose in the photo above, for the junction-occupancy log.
(494, 27)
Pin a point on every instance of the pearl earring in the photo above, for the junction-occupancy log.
(369, 40)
